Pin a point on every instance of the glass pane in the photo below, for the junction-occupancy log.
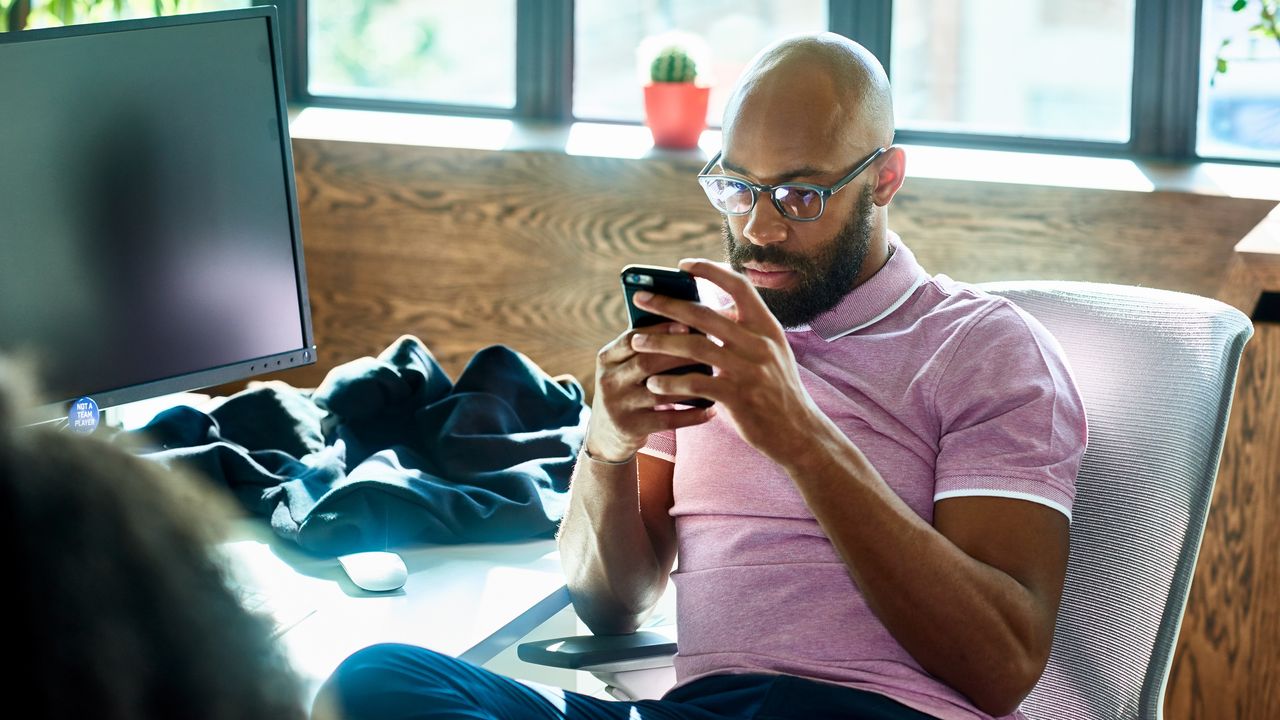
(1239, 108)
(608, 82)
(56, 14)
(1043, 68)
(441, 52)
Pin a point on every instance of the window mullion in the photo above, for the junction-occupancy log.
(867, 22)
(544, 59)
(1166, 78)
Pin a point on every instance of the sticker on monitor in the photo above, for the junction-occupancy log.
(83, 415)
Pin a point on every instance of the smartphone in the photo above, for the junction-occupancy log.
(672, 283)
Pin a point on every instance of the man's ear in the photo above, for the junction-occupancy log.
(892, 171)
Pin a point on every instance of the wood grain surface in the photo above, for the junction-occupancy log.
(466, 248)
(1228, 657)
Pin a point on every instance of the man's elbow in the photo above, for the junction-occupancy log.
(601, 623)
(603, 616)
(1009, 685)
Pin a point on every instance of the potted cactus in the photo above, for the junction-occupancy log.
(675, 107)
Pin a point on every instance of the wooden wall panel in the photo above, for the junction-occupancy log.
(1228, 657)
(468, 247)
(465, 248)
(987, 231)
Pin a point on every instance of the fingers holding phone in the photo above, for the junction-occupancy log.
(624, 412)
(672, 283)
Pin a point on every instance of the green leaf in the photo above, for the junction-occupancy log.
(1239, 5)
(1222, 66)
(1263, 30)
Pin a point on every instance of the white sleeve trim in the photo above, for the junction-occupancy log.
(653, 452)
(1005, 494)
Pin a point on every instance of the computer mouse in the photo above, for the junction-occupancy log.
(376, 571)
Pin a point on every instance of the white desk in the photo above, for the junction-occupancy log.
(469, 601)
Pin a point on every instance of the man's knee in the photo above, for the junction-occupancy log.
(379, 679)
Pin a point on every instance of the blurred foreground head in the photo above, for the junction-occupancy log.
(119, 609)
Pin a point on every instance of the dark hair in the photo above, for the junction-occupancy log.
(119, 608)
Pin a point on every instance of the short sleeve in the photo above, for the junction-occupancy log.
(1011, 420)
(661, 445)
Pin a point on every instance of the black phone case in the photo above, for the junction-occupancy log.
(672, 283)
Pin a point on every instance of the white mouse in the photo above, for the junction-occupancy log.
(375, 571)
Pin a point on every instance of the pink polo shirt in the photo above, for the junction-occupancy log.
(949, 392)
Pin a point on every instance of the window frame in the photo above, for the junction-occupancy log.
(1164, 90)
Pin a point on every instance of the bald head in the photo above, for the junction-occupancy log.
(821, 90)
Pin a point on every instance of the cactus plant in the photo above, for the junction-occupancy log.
(675, 104)
(673, 65)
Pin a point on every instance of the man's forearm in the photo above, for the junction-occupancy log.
(613, 572)
(967, 622)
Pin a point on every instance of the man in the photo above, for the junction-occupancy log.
(872, 520)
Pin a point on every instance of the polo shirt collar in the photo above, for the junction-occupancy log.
(874, 299)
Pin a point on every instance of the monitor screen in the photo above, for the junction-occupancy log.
(148, 220)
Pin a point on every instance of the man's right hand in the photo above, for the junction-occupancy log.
(617, 539)
(624, 412)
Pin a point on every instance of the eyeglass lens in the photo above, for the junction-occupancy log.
(733, 197)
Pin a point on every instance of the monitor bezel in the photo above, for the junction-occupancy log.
(56, 408)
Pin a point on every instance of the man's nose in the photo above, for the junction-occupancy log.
(765, 225)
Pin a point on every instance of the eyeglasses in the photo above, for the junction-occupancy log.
(802, 202)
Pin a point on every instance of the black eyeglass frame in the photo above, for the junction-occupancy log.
(756, 189)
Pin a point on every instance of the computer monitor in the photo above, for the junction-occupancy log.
(149, 238)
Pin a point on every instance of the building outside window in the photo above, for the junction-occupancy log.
(1239, 113)
(1039, 68)
(434, 52)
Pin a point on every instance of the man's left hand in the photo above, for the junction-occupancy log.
(755, 378)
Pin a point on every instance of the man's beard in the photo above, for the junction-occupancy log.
(823, 279)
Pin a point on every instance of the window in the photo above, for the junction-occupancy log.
(54, 14)
(1116, 77)
(1240, 105)
(433, 52)
(1042, 68)
(607, 73)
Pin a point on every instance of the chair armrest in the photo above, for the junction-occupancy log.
(638, 650)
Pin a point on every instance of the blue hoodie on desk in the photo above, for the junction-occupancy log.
(389, 452)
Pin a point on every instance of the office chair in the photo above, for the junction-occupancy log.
(1156, 370)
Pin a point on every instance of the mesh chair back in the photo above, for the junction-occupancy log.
(1156, 370)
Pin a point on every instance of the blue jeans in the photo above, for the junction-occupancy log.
(402, 681)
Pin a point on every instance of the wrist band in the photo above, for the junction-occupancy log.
(593, 458)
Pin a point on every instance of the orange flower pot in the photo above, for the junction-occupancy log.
(676, 113)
